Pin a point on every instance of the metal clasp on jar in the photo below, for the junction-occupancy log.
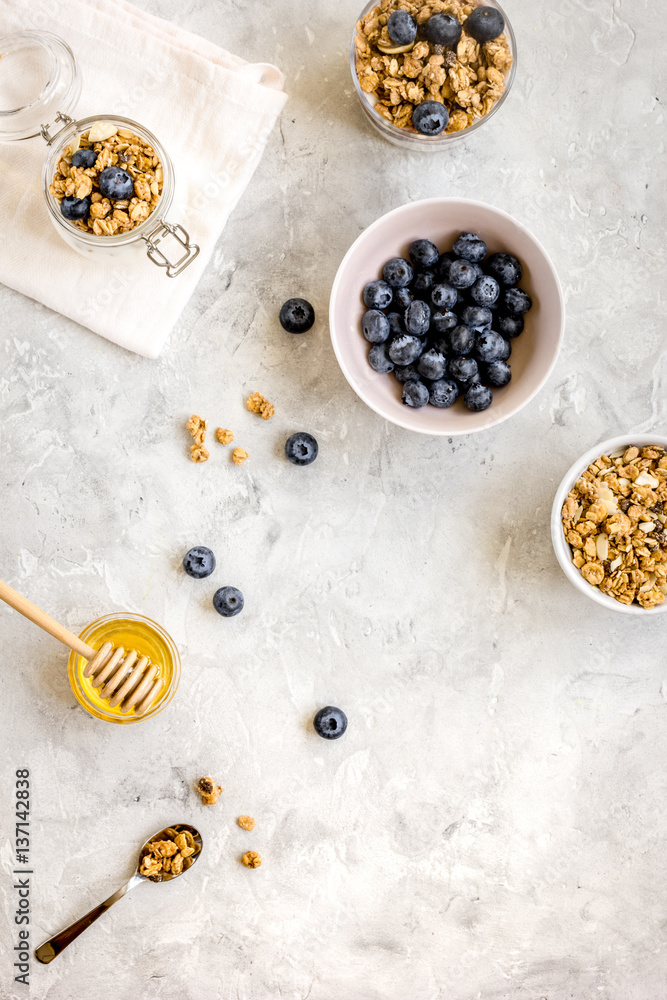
(155, 238)
(44, 129)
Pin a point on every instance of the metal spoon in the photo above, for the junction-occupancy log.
(51, 948)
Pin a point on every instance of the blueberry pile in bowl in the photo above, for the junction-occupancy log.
(443, 323)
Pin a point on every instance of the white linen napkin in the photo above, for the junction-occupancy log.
(213, 113)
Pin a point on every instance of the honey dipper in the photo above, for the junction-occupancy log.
(126, 679)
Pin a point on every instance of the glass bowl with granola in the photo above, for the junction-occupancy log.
(609, 524)
(428, 91)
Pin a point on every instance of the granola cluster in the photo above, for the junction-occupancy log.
(197, 428)
(251, 859)
(257, 403)
(169, 856)
(246, 822)
(615, 521)
(114, 147)
(209, 791)
(468, 78)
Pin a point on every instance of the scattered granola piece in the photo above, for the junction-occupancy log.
(197, 428)
(198, 453)
(239, 456)
(224, 436)
(246, 822)
(260, 404)
(209, 791)
(615, 524)
(251, 859)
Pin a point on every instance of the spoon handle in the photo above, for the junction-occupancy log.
(51, 948)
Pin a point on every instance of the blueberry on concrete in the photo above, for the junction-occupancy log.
(116, 184)
(84, 159)
(478, 397)
(228, 601)
(415, 394)
(430, 118)
(485, 291)
(497, 374)
(375, 326)
(330, 723)
(301, 448)
(443, 393)
(516, 302)
(444, 296)
(462, 274)
(423, 253)
(461, 340)
(510, 326)
(379, 360)
(378, 295)
(75, 208)
(398, 272)
(199, 562)
(297, 316)
(404, 349)
(432, 365)
(505, 268)
(470, 247)
(402, 27)
(442, 29)
(485, 24)
(417, 319)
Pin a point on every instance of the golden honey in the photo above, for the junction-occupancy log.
(131, 632)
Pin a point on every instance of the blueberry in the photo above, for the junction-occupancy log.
(404, 373)
(445, 261)
(432, 365)
(510, 326)
(378, 359)
(461, 340)
(462, 274)
(470, 247)
(84, 158)
(430, 117)
(485, 24)
(415, 394)
(444, 296)
(490, 346)
(507, 350)
(297, 316)
(330, 723)
(378, 295)
(463, 369)
(199, 562)
(396, 324)
(442, 29)
(75, 208)
(404, 349)
(443, 393)
(402, 27)
(422, 286)
(417, 319)
(301, 448)
(375, 326)
(228, 601)
(478, 397)
(485, 291)
(402, 297)
(398, 272)
(478, 317)
(423, 253)
(516, 302)
(497, 374)
(505, 268)
(116, 183)
(443, 322)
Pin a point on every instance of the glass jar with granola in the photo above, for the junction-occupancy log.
(429, 72)
(108, 183)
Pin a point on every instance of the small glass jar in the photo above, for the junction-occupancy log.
(39, 85)
(408, 138)
(131, 632)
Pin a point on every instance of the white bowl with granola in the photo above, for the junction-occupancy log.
(464, 79)
(609, 524)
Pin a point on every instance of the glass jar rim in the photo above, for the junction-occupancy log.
(437, 141)
(158, 213)
(60, 93)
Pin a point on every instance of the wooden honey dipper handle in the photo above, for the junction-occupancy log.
(45, 622)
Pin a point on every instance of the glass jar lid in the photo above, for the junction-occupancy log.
(39, 78)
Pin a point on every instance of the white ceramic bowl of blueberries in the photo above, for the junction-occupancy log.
(446, 316)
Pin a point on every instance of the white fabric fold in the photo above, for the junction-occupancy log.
(213, 113)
